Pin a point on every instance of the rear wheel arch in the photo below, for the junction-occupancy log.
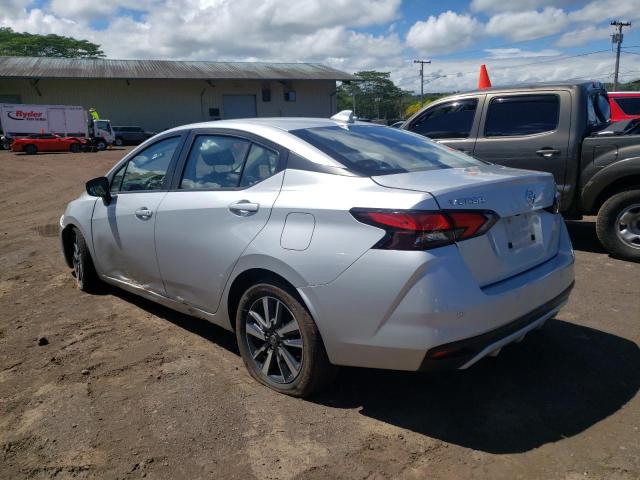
(253, 276)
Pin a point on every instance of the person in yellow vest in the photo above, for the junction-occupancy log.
(94, 116)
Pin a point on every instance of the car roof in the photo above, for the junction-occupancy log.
(278, 130)
(535, 86)
(277, 123)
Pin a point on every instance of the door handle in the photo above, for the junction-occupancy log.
(244, 208)
(144, 213)
(548, 152)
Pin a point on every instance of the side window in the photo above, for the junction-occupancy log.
(116, 181)
(215, 161)
(261, 164)
(449, 120)
(147, 170)
(629, 105)
(522, 115)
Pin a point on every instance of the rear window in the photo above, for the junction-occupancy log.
(629, 105)
(522, 115)
(372, 150)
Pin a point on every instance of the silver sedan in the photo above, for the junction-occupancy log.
(326, 242)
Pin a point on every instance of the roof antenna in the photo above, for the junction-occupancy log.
(345, 116)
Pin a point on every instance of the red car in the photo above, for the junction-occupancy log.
(47, 142)
(624, 105)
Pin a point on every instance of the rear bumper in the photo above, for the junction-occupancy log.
(464, 353)
(390, 308)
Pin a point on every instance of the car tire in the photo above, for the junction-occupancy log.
(84, 271)
(618, 225)
(118, 142)
(75, 148)
(30, 149)
(290, 342)
(101, 144)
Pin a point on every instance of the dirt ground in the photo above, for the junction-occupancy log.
(124, 388)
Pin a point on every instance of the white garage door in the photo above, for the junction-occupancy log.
(239, 106)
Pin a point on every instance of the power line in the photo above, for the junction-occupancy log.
(565, 57)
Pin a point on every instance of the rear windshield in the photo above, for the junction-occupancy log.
(372, 150)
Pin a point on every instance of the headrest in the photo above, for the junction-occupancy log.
(221, 157)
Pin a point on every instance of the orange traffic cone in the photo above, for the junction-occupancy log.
(483, 81)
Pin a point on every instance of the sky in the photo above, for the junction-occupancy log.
(518, 40)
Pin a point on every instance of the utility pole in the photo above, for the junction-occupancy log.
(617, 38)
(422, 62)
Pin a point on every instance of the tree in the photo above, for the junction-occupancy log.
(15, 44)
(625, 87)
(376, 96)
(414, 107)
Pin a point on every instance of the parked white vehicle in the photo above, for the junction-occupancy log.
(19, 120)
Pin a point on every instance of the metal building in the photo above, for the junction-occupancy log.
(159, 94)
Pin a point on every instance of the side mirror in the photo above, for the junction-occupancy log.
(99, 187)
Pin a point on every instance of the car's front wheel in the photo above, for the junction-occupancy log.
(83, 269)
(618, 225)
(30, 149)
(118, 142)
(279, 341)
(75, 148)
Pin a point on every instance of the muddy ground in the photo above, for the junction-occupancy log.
(127, 389)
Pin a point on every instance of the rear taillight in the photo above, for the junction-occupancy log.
(555, 207)
(421, 230)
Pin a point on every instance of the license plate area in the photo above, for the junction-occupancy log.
(523, 231)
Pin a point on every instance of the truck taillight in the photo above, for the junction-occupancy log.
(422, 230)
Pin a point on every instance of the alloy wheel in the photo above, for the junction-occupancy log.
(628, 223)
(274, 339)
(77, 261)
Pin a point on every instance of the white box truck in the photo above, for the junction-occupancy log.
(19, 120)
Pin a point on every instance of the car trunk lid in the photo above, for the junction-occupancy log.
(525, 235)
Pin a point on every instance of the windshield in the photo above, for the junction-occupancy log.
(372, 150)
(103, 125)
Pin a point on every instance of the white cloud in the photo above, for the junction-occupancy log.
(82, 9)
(220, 29)
(607, 9)
(330, 13)
(443, 34)
(500, 53)
(528, 25)
(582, 36)
(497, 6)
